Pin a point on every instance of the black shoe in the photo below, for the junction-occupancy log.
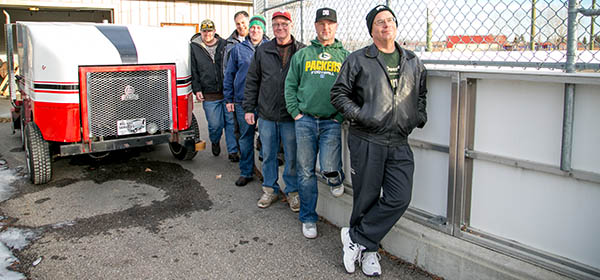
(242, 181)
(216, 149)
(234, 157)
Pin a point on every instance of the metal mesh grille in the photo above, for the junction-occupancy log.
(108, 103)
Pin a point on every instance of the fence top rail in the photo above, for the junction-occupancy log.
(550, 77)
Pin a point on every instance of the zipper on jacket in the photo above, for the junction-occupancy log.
(393, 114)
(213, 62)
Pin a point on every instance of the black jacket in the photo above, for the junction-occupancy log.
(207, 74)
(264, 90)
(231, 41)
(363, 94)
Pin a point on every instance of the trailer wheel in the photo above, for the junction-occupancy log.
(182, 152)
(37, 151)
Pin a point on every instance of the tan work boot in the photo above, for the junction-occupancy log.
(294, 201)
(267, 198)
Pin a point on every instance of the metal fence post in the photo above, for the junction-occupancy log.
(571, 36)
(301, 20)
(569, 97)
(429, 45)
(532, 34)
(593, 22)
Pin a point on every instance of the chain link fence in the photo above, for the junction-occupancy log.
(532, 34)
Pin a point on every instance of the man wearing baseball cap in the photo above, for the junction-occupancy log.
(207, 84)
(318, 124)
(381, 90)
(263, 94)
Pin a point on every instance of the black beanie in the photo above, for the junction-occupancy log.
(371, 16)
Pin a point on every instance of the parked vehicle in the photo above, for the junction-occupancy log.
(88, 88)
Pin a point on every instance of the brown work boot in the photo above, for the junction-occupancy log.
(294, 201)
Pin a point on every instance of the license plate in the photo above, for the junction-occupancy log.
(126, 127)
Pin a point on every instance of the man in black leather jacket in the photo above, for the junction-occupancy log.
(381, 90)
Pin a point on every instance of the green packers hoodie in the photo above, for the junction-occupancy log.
(313, 70)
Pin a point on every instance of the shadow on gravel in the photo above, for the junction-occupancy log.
(184, 194)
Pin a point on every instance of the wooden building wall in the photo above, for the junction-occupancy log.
(147, 12)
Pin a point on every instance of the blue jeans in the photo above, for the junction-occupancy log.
(246, 143)
(218, 118)
(271, 133)
(323, 137)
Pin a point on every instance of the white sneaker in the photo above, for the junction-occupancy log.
(309, 230)
(267, 198)
(370, 264)
(337, 191)
(351, 250)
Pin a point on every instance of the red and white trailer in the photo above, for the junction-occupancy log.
(88, 88)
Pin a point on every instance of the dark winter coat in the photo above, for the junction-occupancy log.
(264, 91)
(230, 42)
(207, 73)
(239, 61)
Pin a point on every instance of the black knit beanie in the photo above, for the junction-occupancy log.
(371, 16)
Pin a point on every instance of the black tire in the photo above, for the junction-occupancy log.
(182, 152)
(37, 151)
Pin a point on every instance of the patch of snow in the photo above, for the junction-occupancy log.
(17, 238)
(7, 176)
(7, 259)
(63, 224)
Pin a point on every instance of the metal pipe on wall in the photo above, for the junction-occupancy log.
(569, 95)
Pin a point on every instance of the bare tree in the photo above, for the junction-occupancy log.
(555, 29)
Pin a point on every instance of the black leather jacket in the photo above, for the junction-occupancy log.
(265, 82)
(207, 74)
(363, 94)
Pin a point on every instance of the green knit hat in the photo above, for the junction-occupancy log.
(258, 20)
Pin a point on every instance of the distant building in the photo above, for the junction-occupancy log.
(547, 46)
(476, 42)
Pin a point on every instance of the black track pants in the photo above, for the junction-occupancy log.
(374, 167)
